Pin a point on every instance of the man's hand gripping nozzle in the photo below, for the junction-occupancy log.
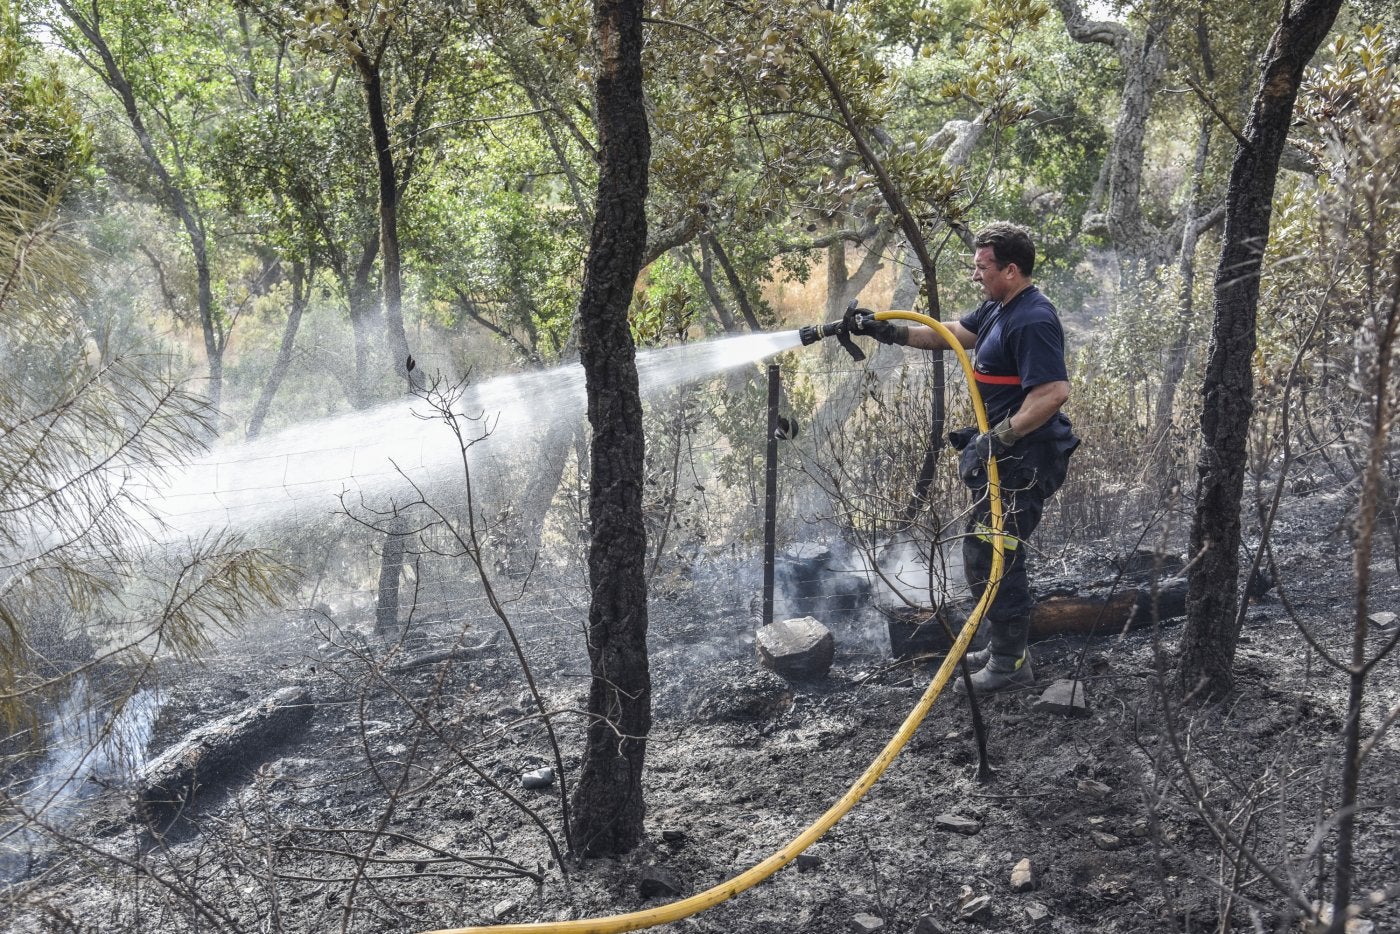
(841, 330)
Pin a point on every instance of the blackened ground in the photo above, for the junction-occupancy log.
(381, 817)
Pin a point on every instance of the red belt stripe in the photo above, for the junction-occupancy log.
(998, 380)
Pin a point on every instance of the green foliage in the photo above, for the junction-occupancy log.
(82, 438)
(40, 125)
(1334, 261)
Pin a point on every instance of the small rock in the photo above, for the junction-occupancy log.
(807, 862)
(1105, 841)
(928, 924)
(975, 908)
(1065, 697)
(656, 881)
(502, 908)
(1022, 877)
(957, 824)
(867, 924)
(1383, 620)
(797, 648)
(1096, 790)
(1141, 828)
(1037, 913)
(538, 778)
(671, 835)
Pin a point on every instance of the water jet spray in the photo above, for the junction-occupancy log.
(686, 907)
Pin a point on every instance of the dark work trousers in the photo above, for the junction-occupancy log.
(1030, 474)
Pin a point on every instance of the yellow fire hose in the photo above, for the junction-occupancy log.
(684, 908)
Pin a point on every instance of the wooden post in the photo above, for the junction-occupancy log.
(770, 493)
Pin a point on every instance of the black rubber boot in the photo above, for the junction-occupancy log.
(1003, 672)
(978, 658)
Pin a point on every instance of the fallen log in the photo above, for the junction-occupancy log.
(219, 752)
(1125, 608)
(919, 632)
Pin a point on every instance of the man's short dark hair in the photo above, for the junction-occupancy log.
(1010, 243)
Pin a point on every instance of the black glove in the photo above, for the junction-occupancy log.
(865, 324)
(995, 442)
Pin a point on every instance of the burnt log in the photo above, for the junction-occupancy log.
(219, 752)
(918, 632)
(1123, 609)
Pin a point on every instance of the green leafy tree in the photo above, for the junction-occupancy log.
(140, 52)
(83, 437)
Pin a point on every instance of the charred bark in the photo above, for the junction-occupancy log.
(372, 83)
(219, 752)
(301, 293)
(608, 805)
(1212, 628)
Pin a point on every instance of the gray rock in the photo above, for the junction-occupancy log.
(867, 924)
(799, 648)
(957, 824)
(1022, 877)
(502, 909)
(1096, 790)
(928, 924)
(538, 778)
(1383, 620)
(1037, 913)
(976, 908)
(1066, 698)
(671, 835)
(808, 862)
(656, 881)
(1105, 841)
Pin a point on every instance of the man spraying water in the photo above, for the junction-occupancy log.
(1019, 362)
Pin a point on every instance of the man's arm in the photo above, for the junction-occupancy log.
(1041, 404)
(926, 338)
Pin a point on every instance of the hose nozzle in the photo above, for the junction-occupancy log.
(841, 330)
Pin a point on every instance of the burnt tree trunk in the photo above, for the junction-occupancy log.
(301, 296)
(1212, 626)
(372, 83)
(608, 806)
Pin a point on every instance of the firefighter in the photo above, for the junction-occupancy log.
(1019, 362)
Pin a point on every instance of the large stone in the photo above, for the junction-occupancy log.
(799, 648)
(1022, 877)
(1064, 697)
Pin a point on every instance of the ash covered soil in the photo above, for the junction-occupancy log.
(380, 814)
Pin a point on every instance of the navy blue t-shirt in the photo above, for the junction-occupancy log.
(1020, 345)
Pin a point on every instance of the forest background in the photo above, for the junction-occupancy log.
(227, 222)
